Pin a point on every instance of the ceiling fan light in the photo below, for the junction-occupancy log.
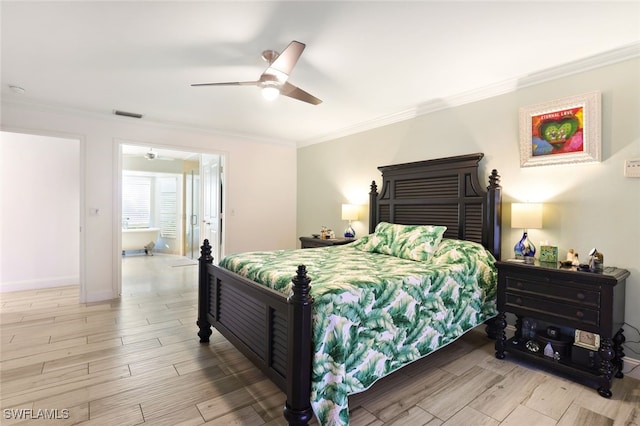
(270, 93)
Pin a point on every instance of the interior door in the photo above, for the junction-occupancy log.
(192, 214)
(211, 172)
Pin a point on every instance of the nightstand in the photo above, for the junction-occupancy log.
(311, 242)
(565, 300)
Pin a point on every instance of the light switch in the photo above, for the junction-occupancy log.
(632, 168)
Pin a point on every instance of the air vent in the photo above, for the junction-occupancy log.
(127, 114)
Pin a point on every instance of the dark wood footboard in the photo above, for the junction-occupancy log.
(273, 331)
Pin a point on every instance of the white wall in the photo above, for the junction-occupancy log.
(586, 206)
(260, 182)
(40, 211)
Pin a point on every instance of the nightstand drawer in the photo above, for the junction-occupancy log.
(559, 291)
(534, 306)
(316, 242)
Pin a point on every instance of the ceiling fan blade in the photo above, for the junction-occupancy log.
(231, 83)
(294, 92)
(286, 61)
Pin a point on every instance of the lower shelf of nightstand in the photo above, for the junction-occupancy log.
(587, 375)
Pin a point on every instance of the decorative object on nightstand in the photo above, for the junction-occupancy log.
(548, 254)
(526, 216)
(596, 260)
(325, 233)
(587, 340)
(349, 212)
(572, 259)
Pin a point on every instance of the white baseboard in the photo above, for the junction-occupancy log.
(39, 284)
(99, 296)
(631, 367)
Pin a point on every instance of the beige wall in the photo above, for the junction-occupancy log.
(260, 183)
(586, 206)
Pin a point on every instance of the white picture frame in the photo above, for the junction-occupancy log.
(562, 131)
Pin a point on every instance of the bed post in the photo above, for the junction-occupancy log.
(373, 207)
(297, 409)
(494, 212)
(203, 291)
(493, 224)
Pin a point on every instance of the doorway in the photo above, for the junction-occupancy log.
(212, 208)
(204, 206)
(175, 217)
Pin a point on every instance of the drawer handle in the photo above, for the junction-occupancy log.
(519, 301)
(580, 314)
(519, 284)
(581, 296)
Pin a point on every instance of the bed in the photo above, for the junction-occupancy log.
(307, 333)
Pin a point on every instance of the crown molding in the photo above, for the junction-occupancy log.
(621, 54)
(110, 117)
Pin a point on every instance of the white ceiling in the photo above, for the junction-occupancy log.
(371, 63)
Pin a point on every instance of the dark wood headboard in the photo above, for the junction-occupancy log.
(443, 191)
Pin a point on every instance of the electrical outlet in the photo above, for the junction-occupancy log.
(632, 168)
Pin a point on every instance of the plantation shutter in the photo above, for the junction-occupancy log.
(136, 201)
(168, 199)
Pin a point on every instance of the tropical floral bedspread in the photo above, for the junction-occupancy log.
(374, 313)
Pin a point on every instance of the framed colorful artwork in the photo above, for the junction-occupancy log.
(563, 131)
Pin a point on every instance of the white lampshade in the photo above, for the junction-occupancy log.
(349, 212)
(526, 215)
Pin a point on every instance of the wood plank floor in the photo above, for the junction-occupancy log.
(137, 360)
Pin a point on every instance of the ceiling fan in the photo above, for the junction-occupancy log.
(273, 80)
(150, 155)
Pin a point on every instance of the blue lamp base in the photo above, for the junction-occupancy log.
(349, 232)
(524, 249)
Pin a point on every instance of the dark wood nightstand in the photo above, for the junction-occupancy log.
(311, 242)
(566, 300)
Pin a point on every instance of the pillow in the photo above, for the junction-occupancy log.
(411, 242)
(460, 251)
(365, 243)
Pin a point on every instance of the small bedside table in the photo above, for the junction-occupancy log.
(567, 300)
(311, 242)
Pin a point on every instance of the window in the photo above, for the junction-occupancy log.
(136, 201)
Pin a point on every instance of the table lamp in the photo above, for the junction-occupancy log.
(526, 216)
(349, 212)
